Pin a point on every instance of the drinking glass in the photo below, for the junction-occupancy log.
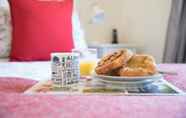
(88, 60)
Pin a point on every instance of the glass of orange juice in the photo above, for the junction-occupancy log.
(88, 61)
(87, 67)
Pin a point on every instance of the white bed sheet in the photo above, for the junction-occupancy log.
(28, 70)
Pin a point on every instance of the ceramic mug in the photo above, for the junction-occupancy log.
(65, 69)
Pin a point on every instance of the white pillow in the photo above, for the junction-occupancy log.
(78, 33)
(5, 30)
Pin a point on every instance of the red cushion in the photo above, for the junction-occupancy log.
(39, 28)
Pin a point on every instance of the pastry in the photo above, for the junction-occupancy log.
(113, 61)
(139, 65)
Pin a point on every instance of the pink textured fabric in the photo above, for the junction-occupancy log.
(44, 106)
(16, 105)
(178, 80)
(15, 85)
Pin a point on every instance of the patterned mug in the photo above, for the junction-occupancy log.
(65, 69)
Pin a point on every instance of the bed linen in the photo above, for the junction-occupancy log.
(14, 104)
(56, 106)
(17, 105)
(5, 31)
(30, 70)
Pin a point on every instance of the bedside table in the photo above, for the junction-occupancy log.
(103, 49)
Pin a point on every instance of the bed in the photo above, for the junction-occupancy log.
(31, 70)
(16, 77)
(18, 105)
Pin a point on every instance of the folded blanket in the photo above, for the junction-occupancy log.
(56, 106)
(15, 85)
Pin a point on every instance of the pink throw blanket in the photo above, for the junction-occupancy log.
(16, 105)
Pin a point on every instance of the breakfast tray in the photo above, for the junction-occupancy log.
(89, 86)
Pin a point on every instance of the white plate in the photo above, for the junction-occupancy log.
(128, 81)
(127, 78)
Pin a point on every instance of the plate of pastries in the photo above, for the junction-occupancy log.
(124, 65)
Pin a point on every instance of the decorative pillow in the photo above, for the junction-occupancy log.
(5, 38)
(40, 27)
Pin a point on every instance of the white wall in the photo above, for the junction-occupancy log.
(143, 22)
(100, 32)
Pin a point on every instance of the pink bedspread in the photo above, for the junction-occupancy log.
(13, 104)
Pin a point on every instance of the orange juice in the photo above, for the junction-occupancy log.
(87, 67)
